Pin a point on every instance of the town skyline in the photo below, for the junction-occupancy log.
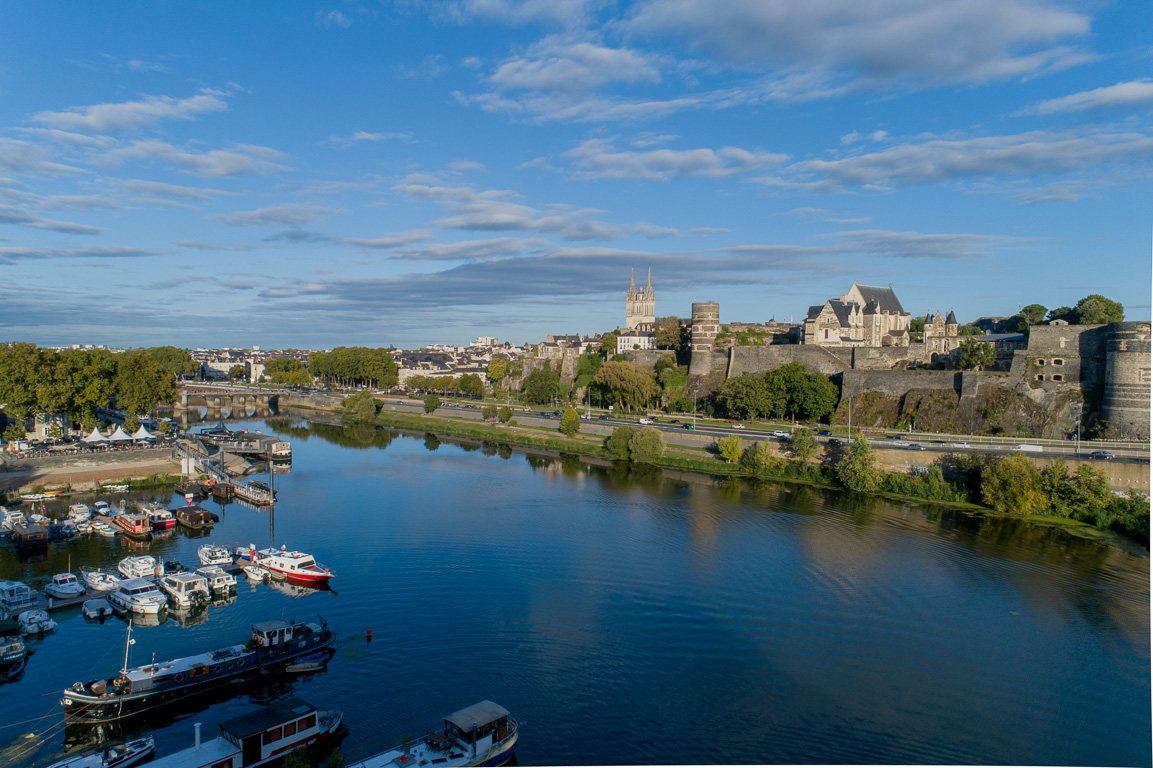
(419, 174)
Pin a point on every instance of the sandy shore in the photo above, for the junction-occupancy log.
(85, 470)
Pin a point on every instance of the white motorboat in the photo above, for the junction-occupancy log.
(16, 596)
(78, 513)
(64, 586)
(483, 734)
(84, 527)
(118, 756)
(219, 582)
(121, 488)
(137, 596)
(100, 581)
(97, 608)
(102, 508)
(141, 567)
(103, 529)
(38, 519)
(186, 589)
(256, 572)
(11, 518)
(285, 563)
(35, 622)
(212, 554)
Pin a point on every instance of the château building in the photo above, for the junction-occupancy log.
(866, 316)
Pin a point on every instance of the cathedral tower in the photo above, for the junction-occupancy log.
(640, 306)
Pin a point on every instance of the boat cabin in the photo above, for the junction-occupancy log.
(11, 518)
(29, 535)
(134, 524)
(17, 596)
(186, 587)
(194, 516)
(483, 724)
(268, 634)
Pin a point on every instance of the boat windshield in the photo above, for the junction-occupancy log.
(306, 563)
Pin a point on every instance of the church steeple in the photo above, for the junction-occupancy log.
(649, 287)
(632, 282)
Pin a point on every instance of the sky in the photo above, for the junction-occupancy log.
(291, 174)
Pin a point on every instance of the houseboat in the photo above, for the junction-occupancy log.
(134, 524)
(29, 536)
(16, 596)
(212, 554)
(186, 589)
(483, 734)
(263, 737)
(272, 646)
(162, 519)
(64, 586)
(10, 518)
(194, 517)
(219, 581)
(295, 565)
(79, 513)
(137, 596)
(12, 652)
(125, 755)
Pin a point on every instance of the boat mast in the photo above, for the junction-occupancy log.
(128, 641)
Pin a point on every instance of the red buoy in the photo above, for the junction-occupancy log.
(368, 635)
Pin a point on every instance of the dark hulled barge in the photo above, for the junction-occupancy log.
(273, 645)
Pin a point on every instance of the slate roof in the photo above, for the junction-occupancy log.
(951, 318)
(884, 297)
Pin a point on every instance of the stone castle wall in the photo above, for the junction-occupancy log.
(1125, 402)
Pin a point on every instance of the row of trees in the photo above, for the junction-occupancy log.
(790, 390)
(470, 384)
(77, 382)
(1094, 309)
(354, 366)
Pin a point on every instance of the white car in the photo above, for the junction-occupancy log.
(738, 426)
(781, 434)
(646, 421)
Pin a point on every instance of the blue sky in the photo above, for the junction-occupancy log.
(230, 174)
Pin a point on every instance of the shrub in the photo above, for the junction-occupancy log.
(858, 470)
(504, 414)
(488, 412)
(730, 448)
(431, 403)
(1013, 484)
(617, 444)
(803, 444)
(647, 445)
(570, 422)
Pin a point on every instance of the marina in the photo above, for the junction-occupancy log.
(565, 607)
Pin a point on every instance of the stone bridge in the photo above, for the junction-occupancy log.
(241, 401)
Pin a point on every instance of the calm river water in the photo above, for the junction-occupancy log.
(631, 618)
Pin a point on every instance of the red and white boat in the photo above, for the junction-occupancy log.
(300, 566)
(132, 524)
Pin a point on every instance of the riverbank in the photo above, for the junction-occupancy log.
(697, 460)
(85, 471)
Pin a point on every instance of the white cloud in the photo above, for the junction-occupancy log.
(876, 42)
(557, 66)
(1128, 94)
(291, 214)
(114, 118)
(471, 250)
(10, 215)
(241, 159)
(599, 160)
(333, 19)
(24, 158)
(161, 189)
(369, 136)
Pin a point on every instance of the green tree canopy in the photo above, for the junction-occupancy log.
(570, 422)
(353, 366)
(497, 369)
(729, 447)
(1013, 484)
(541, 386)
(472, 385)
(1095, 308)
(174, 359)
(977, 354)
(670, 333)
(1016, 324)
(1063, 313)
(617, 444)
(1033, 313)
(628, 385)
(431, 403)
(141, 383)
(609, 344)
(803, 444)
(236, 372)
(858, 470)
(647, 445)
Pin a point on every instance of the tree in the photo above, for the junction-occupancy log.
(670, 333)
(497, 369)
(14, 431)
(541, 386)
(917, 327)
(504, 414)
(1013, 484)
(236, 372)
(362, 406)
(1095, 309)
(858, 470)
(56, 432)
(131, 424)
(803, 444)
(1016, 324)
(471, 385)
(647, 445)
(1034, 314)
(570, 422)
(747, 396)
(977, 354)
(298, 758)
(141, 383)
(617, 444)
(730, 448)
(174, 359)
(488, 413)
(1062, 313)
(431, 403)
(626, 384)
(609, 344)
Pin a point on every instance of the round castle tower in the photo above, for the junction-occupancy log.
(706, 326)
(1125, 401)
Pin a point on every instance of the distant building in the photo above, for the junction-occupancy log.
(941, 336)
(866, 316)
(640, 306)
(631, 341)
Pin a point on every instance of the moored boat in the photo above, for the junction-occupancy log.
(116, 756)
(483, 734)
(137, 596)
(12, 650)
(292, 564)
(263, 737)
(103, 529)
(194, 517)
(186, 589)
(256, 572)
(273, 645)
(162, 519)
(134, 524)
(35, 622)
(16, 596)
(219, 581)
(99, 580)
(97, 608)
(79, 512)
(64, 586)
(101, 508)
(140, 567)
(29, 536)
(119, 488)
(213, 554)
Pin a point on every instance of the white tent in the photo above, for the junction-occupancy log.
(96, 437)
(120, 436)
(143, 434)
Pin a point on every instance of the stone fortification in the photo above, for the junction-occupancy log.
(1125, 402)
(706, 326)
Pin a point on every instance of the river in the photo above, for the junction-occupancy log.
(628, 617)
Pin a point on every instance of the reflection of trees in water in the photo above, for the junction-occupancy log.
(431, 441)
(469, 447)
(730, 488)
(625, 475)
(357, 435)
(504, 451)
(537, 462)
(489, 448)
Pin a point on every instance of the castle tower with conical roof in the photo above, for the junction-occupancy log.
(640, 306)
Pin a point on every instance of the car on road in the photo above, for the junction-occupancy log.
(781, 434)
(824, 433)
(915, 447)
(646, 421)
(1102, 455)
(738, 426)
(958, 445)
(604, 417)
(675, 421)
(689, 426)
